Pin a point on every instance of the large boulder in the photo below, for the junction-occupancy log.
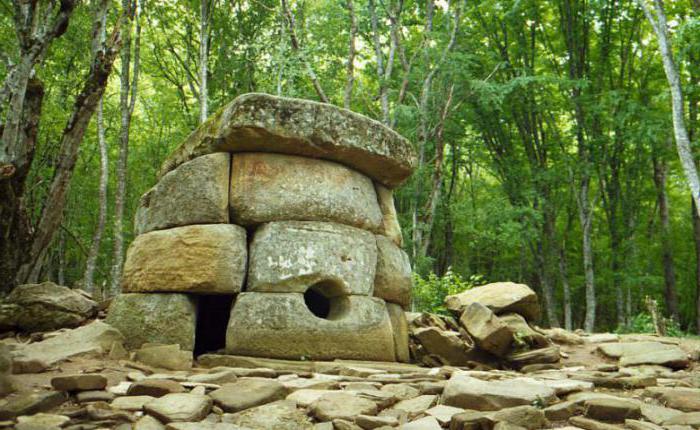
(154, 318)
(265, 123)
(280, 325)
(500, 297)
(390, 220)
(488, 331)
(278, 187)
(393, 279)
(444, 345)
(528, 337)
(96, 338)
(47, 306)
(463, 391)
(204, 259)
(399, 327)
(292, 256)
(194, 193)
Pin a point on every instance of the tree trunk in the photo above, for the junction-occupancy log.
(84, 107)
(586, 218)
(685, 154)
(203, 60)
(126, 104)
(88, 277)
(350, 67)
(297, 48)
(670, 295)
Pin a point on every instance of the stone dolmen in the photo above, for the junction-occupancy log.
(272, 232)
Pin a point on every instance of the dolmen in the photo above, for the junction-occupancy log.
(272, 232)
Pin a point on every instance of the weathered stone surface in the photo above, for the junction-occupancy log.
(154, 318)
(425, 423)
(357, 327)
(536, 356)
(672, 357)
(247, 393)
(446, 345)
(615, 410)
(530, 337)
(265, 123)
(390, 220)
(416, 405)
(291, 256)
(341, 405)
(470, 393)
(6, 368)
(399, 328)
(526, 416)
(591, 424)
(487, 330)
(179, 407)
(132, 403)
(95, 338)
(147, 422)
(47, 306)
(279, 415)
(276, 187)
(154, 388)
(94, 396)
(681, 398)
(564, 337)
(30, 403)
(83, 382)
(691, 419)
(194, 193)
(164, 356)
(205, 259)
(41, 421)
(500, 297)
(393, 279)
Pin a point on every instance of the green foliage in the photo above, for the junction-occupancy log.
(644, 323)
(429, 292)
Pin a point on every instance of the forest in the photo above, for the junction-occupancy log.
(557, 140)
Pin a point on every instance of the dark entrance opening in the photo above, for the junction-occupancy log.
(317, 303)
(213, 312)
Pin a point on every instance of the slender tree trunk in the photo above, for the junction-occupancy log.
(685, 154)
(350, 67)
(203, 60)
(101, 21)
(563, 272)
(297, 48)
(586, 218)
(127, 100)
(670, 295)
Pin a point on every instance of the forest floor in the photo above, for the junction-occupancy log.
(587, 389)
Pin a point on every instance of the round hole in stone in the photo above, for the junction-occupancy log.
(322, 299)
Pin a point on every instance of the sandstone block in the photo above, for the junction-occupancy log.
(399, 327)
(194, 193)
(154, 318)
(292, 256)
(470, 393)
(500, 297)
(280, 325)
(390, 220)
(265, 123)
(209, 259)
(278, 187)
(47, 306)
(489, 332)
(393, 279)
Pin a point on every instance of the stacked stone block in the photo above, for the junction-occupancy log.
(287, 205)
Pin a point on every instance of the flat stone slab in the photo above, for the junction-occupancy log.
(194, 193)
(471, 393)
(248, 393)
(154, 318)
(264, 123)
(179, 407)
(638, 353)
(393, 279)
(279, 325)
(95, 338)
(500, 297)
(278, 187)
(291, 256)
(205, 259)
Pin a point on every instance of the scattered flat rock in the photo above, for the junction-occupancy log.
(499, 297)
(41, 421)
(154, 388)
(341, 406)
(84, 382)
(471, 393)
(615, 410)
(279, 415)
(248, 393)
(425, 423)
(131, 403)
(30, 403)
(179, 407)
